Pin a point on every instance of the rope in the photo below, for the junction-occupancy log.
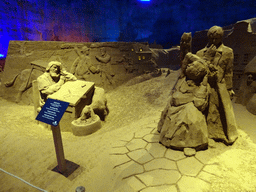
(23, 180)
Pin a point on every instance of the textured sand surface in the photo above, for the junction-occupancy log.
(27, 149)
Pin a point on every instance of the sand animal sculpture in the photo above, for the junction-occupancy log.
(91, 115)
(87, 116)
(82, 65)
(185, 47)
(99, 103)
(185, 44)
(87, 123)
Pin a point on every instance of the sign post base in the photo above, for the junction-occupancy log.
(51, 113)
(70, 168)
(64, 166)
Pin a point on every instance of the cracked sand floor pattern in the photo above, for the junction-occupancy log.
(148, 166)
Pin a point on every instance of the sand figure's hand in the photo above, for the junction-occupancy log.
(210, 52)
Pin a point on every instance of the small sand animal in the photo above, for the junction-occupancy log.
(185, 44)
(87, 116)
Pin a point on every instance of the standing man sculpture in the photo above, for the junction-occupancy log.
(220, 116)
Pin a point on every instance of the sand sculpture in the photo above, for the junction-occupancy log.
(183, 124)
(99, 103)
(220, 116)
(107, 64)
(25, 77)
(128, 64)
(247, 91)
(88, 122)
(104, 57)
(185, 47)
(200, 107)
(82, 66)
(52, 80)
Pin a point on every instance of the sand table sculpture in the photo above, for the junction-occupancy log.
(54, 80)
(200, 106)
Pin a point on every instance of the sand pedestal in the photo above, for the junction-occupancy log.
(86, 128)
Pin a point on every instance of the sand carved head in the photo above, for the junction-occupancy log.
(196, 68)
(54, 69)
(85, 50)
(215, 35)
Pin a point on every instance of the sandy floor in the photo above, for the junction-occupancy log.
(27, 149)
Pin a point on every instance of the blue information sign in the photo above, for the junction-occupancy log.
(52, 111)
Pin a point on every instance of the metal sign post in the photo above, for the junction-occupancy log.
(51, 113)
(59, 148)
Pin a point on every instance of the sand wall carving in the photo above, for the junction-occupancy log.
(26, 60)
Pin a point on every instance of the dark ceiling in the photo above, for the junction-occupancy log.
(160, 21)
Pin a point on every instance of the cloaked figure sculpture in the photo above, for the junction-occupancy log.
(220, 115)
(182, 124)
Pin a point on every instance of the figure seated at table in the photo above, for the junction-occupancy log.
(52, 80)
